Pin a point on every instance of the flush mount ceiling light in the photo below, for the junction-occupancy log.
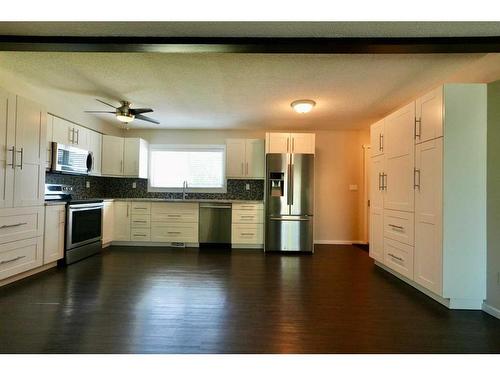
(126, 114)
(303, 105)
(125, 118)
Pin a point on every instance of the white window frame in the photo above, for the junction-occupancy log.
(168, 147)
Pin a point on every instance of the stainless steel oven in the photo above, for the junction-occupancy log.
(70, 159)
(83, 229)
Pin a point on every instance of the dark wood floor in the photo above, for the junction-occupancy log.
(150, 300)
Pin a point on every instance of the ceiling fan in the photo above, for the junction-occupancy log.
(126, 114)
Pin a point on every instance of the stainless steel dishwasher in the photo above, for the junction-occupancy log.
(215, 223)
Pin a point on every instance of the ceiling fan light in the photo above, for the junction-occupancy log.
(303, 105)
(125, 118)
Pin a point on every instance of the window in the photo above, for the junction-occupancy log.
(203, 167)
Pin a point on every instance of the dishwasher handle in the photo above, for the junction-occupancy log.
(215, 206)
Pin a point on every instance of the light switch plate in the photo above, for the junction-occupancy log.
(134, 185)
(247, 186)
(353, 187)
(87, 184)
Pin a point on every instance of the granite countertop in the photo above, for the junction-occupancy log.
(55, 203)
(185, 200)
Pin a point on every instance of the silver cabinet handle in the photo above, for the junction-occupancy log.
(242, 169)
(247, 234)
(384, 181)
(139, 235)
(12, 225)
(396, 226)
(293, 145)
(13, 150)
(174, 232)
(173, 215)
(139, 221)
(381, 142)
(140, 208)
(71, 135)
(127, 209)
(418, 128)
(121, 166)
(287, 144)
(21, 151)
(248, 216)
(13, 259)
(395, 257)
(416, 177)
(246, 173)
(380, 181)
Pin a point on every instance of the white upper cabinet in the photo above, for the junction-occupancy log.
(429, 116)
(295, 143)
(62, 131)
(7, 147)
(30, 153)
(245, 158)
(112, 155)
(135, 158)
(95, 147)
(398, 149)
(124, 157)
(377, 138)
(50, 127)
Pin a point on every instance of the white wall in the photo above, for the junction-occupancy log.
(339, 163)
(55, 102)
(493, 197)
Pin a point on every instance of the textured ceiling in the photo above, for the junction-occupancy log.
(245, 91)
(254, 29)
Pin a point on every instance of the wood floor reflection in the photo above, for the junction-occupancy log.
(152, 300)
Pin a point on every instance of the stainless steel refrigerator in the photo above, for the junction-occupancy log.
(289, 202)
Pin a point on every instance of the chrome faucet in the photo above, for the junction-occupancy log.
(184, 187)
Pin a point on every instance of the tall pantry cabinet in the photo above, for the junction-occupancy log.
(428, 194)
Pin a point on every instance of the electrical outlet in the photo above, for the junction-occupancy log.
(87, 184)
(247, 186)
(134, 185)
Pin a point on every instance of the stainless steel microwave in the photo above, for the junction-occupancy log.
(70, 159)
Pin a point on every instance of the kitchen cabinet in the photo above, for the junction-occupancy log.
(245, 158)
(20, 256)
(174, 222)
(95, 148)
(108, 223)
(434, 235)
(122, 221)
(50, 127)
(377, 138)
(429, 116)
(295, 143)
(53, 248)
(247, 228)
(69, 133)
(124, 157)
(141, 221)
(399, 150)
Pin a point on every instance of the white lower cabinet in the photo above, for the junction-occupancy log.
(174, 232)
(399, 257)
(53, 249)
(122, 220)
(108, 222)
(20, 256)
(247, 226)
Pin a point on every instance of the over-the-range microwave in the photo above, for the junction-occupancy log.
(70, 159)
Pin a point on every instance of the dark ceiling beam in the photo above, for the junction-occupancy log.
(250, 45)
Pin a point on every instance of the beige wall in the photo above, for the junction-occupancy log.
(339, 163)
(55, 102)
(493, 197)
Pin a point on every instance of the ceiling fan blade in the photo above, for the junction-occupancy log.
(145, 118)
(99, 100)
(137, 111)
(99, 112)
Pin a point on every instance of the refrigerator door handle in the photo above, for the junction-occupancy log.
(290, 219)
(291, 183)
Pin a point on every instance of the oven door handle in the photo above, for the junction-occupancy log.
(85, 207)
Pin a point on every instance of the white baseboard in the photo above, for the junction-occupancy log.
(152, 244)
(493, 311)
(247, 246)
(339, 242)
(28, 273)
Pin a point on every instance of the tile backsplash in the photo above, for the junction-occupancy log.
(118, 187)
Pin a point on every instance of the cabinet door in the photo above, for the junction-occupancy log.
(302, 143)
(31, 138)
(255, 158)
(377, 209)
(20, 256)
(131, 157)
(278, 143)
(112, 155)
(399, 159)
(53, 248)
(107, 223)
(95, 149)
(121, 231)
(429, 115)
(7, 140)
(62, 131)
(50, 127)
(82, 137)
(377, 138)
(428, 215)
(235, 158)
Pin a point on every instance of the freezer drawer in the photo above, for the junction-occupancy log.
(289, 233)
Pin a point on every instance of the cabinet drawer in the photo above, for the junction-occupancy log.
(399, 226)
(174, 212)
(248, 216)
(248, 206)
(140, 234)
(21, 223)
(247, 234)
(140, 221)
(399, 257)
(174, 232)
(141, 208)
(20, 256)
